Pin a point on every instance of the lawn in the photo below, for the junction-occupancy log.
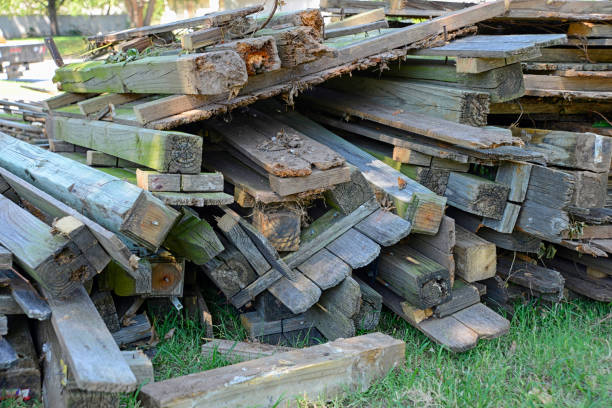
(69, 46)
(557, 356)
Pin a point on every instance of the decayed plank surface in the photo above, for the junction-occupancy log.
(89, 348)
(242, 350)
(438, 129)
(326, 369)
(413, 202)
(202, 74)
(496, 46)
(173, 152)
(484, 321)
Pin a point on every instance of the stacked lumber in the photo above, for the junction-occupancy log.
(173, 169)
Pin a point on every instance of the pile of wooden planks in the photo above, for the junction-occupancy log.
(393, 170)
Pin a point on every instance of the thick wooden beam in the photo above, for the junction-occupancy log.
(54, 208)
(324, 371)
(210, 73)
(476, 195)
(118, 206)
(259, 54)
(80, 329)
(52, 260)
(173, 152)
(418, 279)
(475, 257)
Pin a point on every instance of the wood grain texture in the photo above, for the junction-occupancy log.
(202, 74)
(354, 248)
(384, 227)
(104, 370)
(475, 257)
(325, 269)
(114, 204)
(476, 195)
(173, 152)
(306, 372)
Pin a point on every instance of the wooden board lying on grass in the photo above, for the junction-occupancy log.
(326, 370)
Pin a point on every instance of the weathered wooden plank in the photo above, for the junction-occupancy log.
(384, 227)
(516, 176)
(154, 181)
(358, 19)
(348, 196)
(318, 179)
(174, 152)
(201, 38)
(325, 371)
(484, 321)
(421, 281)
(508, 220)
(26, 296)
(202, 182)
(586, 29)
(97, 103)
(208, 20)
(438, 247)
(356, 29)
(138, 329)
(530, 276)
(80, 329)
(467, 65)
(325, 269)
(101, 159)
(52, 260)
(476, 195)
(140, 364)
(438, 129)
(586, 151)
(450, 332)
(241, 350)
(475, 257)
(413, 202)
(457, 105)
(462, 296)
(325, 230)
(116, 205)
(55, 209)
(193, 199)
(371, 305)
(196, 74)
(6, 257)
(65, 99)
(354, 248)
(25, 373)
(496, 46)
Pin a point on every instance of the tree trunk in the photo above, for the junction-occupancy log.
(52, 11)
(149, 15)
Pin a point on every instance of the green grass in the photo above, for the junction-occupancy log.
(557, 356)
(69, 46)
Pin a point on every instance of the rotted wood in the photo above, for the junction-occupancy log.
(259, 54)
(371, 305)
(477, 195)
(530, 276)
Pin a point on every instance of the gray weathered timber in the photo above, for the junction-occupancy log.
(210, 73)
(325, 230)
(354, 248)
(450, 332)
(26, 296)
(414, 202)
(297, 295)
(54, 208)
(241, 350)
(484, 321)
(532, 277)
(333, 314)
(543, 222)
(508, 220)
(80, 329)
(454, 104)
(138, 329)
(348, 196)
(463, 296)
(25, 373)
(371, 305)
(550, 187)
(590, 189)
(97, 103)
(6, 257)
(140, 364)
(435, 128)
(384, 227)
(502, 84)
(476, 195)
(325, 269)
(230, 272)
(361, 28)
(202, 182)
(496, 46)
(438, 247)
(116, 205)
(325, 371)
(8, 306)
(8, 357)
(207, 20)
(516, 176)
(585, 151)
(475, 257)
(173, 152)
(52, 260)
(421, 281)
